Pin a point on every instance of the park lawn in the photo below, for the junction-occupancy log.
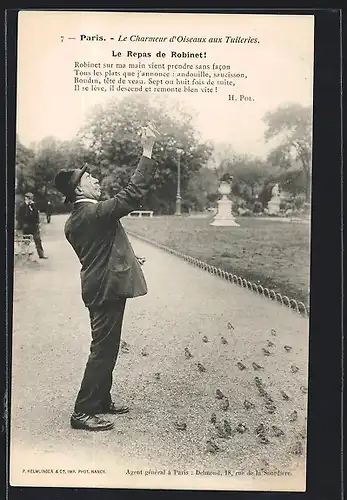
(272, 253)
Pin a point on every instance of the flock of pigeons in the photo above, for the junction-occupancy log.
(223, 428)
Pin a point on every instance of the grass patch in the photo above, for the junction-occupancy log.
(272, 253)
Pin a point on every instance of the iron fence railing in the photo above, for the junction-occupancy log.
(284, 300)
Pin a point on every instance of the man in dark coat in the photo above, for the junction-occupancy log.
(28, 221)
(110, 274)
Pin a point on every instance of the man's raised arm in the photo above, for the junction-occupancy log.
(129, 198)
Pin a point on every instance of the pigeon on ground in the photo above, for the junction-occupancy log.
(144, 352)
(260, 386)
(157, 375)
(294, 369)
(223, 340)
(302, 434)
(261, 434)
(201, 367)
(259, 382)
(273, 332)
(241, 428)
(262, 392)
(270, 344)
(181, 426)
(285, 396)
(219, 394)
(293, 416)
(240, 365)
(213, 419)
(277, 431)
(257, 367)
(266, 352)
(271, 408)
(303, 389)
(211, 446)
(268, 398)
(124, 347)
(263, 439)
(227, 427)
(187, 353)
(260, 429)
(230, 326)
(224, 404)
(221, 432)
(204, 338)
(298, 448)
(287, 348)
(248, 405)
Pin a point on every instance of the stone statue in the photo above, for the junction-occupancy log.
(224, 216)
(275, 191)
(274, 203)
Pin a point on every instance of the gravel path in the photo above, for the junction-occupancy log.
(184, 304)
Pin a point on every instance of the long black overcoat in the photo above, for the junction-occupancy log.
(109, 266)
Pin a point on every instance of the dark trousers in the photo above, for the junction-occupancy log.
(106, 325)
(37, 239)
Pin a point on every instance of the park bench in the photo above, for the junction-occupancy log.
(23, 246)
(140, 213)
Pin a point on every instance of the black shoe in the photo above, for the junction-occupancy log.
(90, 422)
(116, 409)
(43, 257)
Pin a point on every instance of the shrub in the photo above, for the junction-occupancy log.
(299, 201)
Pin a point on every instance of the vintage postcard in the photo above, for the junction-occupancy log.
(162, 250)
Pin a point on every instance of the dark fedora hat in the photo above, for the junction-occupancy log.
(66, 181)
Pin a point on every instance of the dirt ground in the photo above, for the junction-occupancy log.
(164, 388)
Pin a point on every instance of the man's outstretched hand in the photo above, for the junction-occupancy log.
(148, 137)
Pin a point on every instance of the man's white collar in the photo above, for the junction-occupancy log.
(90, 200)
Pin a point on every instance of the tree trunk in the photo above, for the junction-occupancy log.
(307, 184)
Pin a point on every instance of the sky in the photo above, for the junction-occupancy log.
(279, 68)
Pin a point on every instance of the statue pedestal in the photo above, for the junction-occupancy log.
(224, 216)
(274, 206)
